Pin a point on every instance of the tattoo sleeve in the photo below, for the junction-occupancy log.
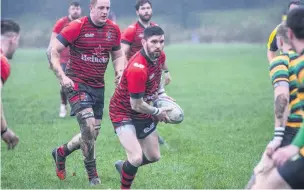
(280, 107)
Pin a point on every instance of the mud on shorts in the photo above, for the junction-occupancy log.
(84, 96)
(293, 171)
(143, 127)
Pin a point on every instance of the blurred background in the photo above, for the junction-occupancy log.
(196, 21)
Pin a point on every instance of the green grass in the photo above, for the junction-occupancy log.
(224, 90)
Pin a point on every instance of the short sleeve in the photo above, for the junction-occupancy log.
(70, 33)
(59, 25)
(128, 35)
(278, 69)
(117, 45)
(136, 80)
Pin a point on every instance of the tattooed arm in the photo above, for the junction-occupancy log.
(281, 111)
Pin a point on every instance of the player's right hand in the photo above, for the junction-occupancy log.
(10, 139)
(162, 116)
(67, 83)
(272, 146)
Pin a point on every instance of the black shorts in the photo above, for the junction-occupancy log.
(63, 66)
(142, 127)
(84, 96)
(289, 134)
(293, 172)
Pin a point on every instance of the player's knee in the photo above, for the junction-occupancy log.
(136, 159)
(155, 157)
(87, 123)
(96, 131)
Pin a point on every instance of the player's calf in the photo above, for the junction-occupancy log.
(86, 122)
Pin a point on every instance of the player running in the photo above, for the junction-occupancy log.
(272, 47)
(132, 36)
(74, 13)
(287, 106)
(130, 109)
(289, 160)
(91, 39)
(9, 42)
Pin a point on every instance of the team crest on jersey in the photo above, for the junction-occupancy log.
(141, 35)
(109, 36)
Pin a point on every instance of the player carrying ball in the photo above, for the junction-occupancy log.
(130, 109)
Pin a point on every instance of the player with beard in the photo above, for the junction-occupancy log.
(9, 42)
(132, 36)
(74, 13)
(92, 40)
(130, 109)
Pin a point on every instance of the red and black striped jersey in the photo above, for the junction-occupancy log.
(140, 79)
(133, 36)
(90, 48)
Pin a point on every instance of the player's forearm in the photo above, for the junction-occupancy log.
(299, 139)
(48, 54)
(271, 55)
(281, 113)
(143, 107)
(119, 64)
(165, 68)
(55, 62)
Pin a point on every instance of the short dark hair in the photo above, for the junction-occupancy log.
(153, 31)
(75, 4)
(141, 3)
(295, 2)
(8, 25)
(295, 21)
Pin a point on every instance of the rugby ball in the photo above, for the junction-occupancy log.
(176, 115)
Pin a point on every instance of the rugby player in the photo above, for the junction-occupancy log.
(130, 109)
(10, 35)
(91, 40)
(287, 107)
(132, 36)
(272, 47)
(289, 160)
(74, 13)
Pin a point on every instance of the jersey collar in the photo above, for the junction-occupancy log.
(141, 25)
(91, 22)
(143, 53)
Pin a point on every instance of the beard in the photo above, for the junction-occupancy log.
(145, 18)
(75, 16)
(154, 54)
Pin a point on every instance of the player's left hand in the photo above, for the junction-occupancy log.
(272, 146)
(283, 154)
(167, 78)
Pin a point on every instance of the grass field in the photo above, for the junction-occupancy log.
(224, 90)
